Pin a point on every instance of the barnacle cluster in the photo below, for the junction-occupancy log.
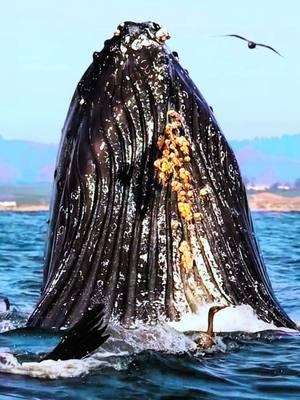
(186, 256)
(172, 168)
(175, 150)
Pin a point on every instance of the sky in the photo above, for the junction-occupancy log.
(47, 45)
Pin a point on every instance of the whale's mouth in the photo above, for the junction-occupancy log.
(149, 212)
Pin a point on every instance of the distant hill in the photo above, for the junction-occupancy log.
(24, 162)
(262, 161)
(269, 160)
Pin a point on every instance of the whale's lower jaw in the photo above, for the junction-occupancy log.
(149, 213)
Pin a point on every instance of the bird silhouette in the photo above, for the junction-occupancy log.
(252, 44)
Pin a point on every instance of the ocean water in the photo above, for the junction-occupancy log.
(150, 364)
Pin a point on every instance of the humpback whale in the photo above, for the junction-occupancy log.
(149, 214)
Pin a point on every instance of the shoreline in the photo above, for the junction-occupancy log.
(260, 202)
(270, 202)
(26, 208)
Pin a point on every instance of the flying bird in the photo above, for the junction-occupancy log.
(252, 44)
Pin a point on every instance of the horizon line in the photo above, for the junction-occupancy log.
(230, 139)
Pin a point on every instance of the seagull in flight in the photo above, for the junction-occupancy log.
(252, 44)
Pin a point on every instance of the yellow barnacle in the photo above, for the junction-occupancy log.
(174, 116)
(166, 166)
(169, 129)
(182, 141)
(184, 149)
(187, 186)
(175, 125)
(185, 210)
(176, 186)
(157, 163)
(184, 175)
(181, 206)
(187, 158)
(160, 142)
(198, 216)
(172, 155)
(182, 212)
(177, 162)
(178, 140)
(184, 246)
(162, 178)
(181, 199)
(186, 256)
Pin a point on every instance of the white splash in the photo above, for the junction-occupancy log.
(230, 319)
(6, 325)
(115, 353)
(124, 343)
(47, 369)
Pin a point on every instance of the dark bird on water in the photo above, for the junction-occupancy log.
(252, 44)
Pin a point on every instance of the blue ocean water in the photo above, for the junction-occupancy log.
(249, 366)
